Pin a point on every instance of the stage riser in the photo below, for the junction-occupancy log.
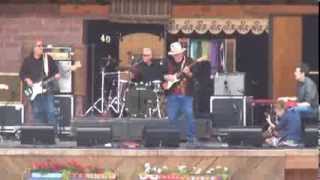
(244, 165)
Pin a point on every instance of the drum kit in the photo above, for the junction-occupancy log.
(129, 99)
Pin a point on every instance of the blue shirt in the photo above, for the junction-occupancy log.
(289, 126)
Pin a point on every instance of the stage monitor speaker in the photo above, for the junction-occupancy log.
(92, 136)
(37, 135)
(161, 136)
(245, 137)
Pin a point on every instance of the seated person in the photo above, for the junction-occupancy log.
(148, 69)
(307, 94)
(287, 132)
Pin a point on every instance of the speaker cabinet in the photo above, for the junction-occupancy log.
(310, 137)
(64, 109)
(157, 136)
(14, 93)
(92, 136)
(227, 111)
(245, 137)
(11, 114)
(37, 135)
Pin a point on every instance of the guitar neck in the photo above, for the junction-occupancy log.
(45, 82)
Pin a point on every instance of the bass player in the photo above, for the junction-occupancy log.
(36, 68)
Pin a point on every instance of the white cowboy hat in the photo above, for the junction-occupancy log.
(176, 48)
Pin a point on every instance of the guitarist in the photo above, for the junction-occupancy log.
(287, 132)
(36, 68)
(179, 96)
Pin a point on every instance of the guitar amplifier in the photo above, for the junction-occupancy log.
(229, 84)
(13, 94)
(11, 116)
(64, 84)
(228, 111)
(64, 110)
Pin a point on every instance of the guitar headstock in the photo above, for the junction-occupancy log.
(203, 58)
(76, 65)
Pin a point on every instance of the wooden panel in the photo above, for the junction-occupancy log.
(301, 162)
(135, 42)
(286, 54)
(301, 174)
(84, 10)
(240, 10)
(244, 164)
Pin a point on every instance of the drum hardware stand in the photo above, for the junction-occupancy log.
(95, 104)
(117, 99)
(158, 106)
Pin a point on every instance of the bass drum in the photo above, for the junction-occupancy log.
(140, 102)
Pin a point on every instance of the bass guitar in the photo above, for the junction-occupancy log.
(40, 87)
(167, 85)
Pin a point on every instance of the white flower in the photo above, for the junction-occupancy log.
(198, 171)
(147, 170)
(146, 165)
(159, 170)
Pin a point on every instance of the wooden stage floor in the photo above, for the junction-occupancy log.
(245, 164)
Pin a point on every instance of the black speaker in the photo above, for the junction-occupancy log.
(161, 136)
(11, 114)
(310, 137)
(37, 135)
(92, 136)
(227, 111)
(64, 109)
(245, 137)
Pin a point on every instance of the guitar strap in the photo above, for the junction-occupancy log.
(183, 63)
(45, 64)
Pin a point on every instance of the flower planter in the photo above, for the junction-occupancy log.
(72, 176)
(182, 177)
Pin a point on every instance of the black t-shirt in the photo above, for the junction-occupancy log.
(148, 73)
(33, 68)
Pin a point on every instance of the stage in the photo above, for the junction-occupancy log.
(245, 164)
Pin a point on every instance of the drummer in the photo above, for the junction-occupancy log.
(149, 70)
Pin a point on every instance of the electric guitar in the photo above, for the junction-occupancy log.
(167, 85)
(39, 87)
(4, 87)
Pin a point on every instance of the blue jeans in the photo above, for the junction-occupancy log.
(43, 109)
(305, 111)
(177, 105)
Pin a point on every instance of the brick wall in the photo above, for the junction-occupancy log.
(21, 25)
